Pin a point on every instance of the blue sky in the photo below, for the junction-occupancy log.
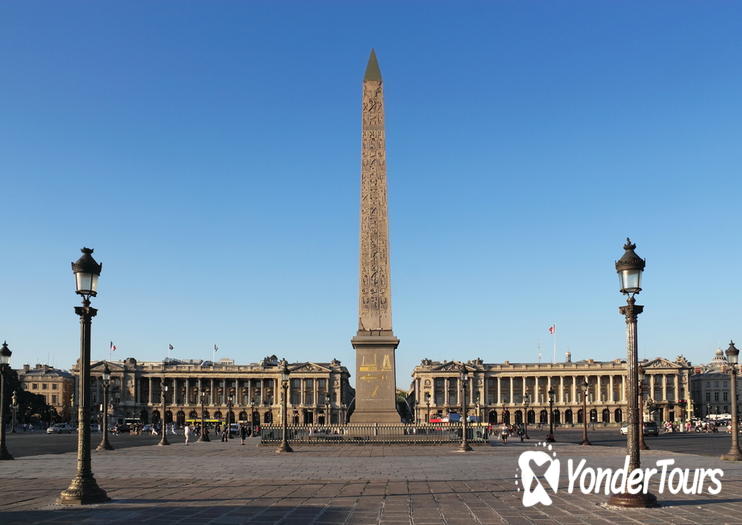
(209, 152)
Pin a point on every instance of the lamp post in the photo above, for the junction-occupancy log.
(83, 488)
(427, 404)
(328, 410)
(252, 415)
(550, 437)
(163, 395)
(734, 453)
(230, 404)
(630, 267)
(203, 437)
(284, 446)
(641, 377)
(14, 408)
(464, 447)
(5, 354)
(584, 441)
(526, 404)
(106, 376)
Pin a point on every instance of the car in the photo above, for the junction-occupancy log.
(650, 429)
(60, 428)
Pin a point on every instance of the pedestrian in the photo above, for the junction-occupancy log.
(225, 434)
(187, 432)
(504, 433)
(243, 434)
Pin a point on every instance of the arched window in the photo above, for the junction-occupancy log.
(168, 417)
(579, 416)
(243, 416)
(618, 416)
(518, 417)
(568, 416)
(593, 416)
(531, 417)
(218, 414)
(557, 417)
(144, 416)
(493, 417)
(193, 415)
(180, 418)
(543, 417)
(606, 416)
(155, 416)
(506, 417)
(268, 418)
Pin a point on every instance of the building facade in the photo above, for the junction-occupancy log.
(710, 387)
(497, 392)
(54, 384)
(318, 392)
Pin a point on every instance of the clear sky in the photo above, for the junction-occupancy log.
(210, 153)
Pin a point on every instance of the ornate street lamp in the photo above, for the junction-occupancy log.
(203, 437)
(14, 408)
(641, 374)
(106, 376)
(427, 404)
(630, 267)
(252, 414)
(5, 354)
(84, 489)
(550, 437)
(733, 358)
(230, 404)
(464, 377)
(526, 404)
(284, 368)
(328, 410)
(163, 420)
(584, 441)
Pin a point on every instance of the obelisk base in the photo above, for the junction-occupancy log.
(376, 395)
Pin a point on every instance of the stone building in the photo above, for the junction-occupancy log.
(710, 387)
(54, 384)
(316, 390)
(497, 390)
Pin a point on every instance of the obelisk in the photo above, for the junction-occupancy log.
(374, 342)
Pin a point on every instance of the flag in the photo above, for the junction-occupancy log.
(170, 347)
(113, 347)
(552, 329)
(216, 348)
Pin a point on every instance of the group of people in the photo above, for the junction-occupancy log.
(507, 430)
(193, 432)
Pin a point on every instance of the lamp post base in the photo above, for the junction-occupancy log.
(732, 455)
(464, 447)
(550, 439)
(640, 500)
(585, 442)
(283, 448)
(163, 442)
(4, 454)
(83, 491)
(104, 445)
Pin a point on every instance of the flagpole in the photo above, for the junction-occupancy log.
(553, 359)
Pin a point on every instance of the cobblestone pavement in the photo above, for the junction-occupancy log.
(219, 483)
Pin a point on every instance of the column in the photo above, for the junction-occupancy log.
(664, 387)
(561, 389)
(610, 388)
(510, 380)
(651, 385)
(149, 394)
(623, 390)
(574, 391)
(211, 385)
(445, 392)
(497, 386)
(677, 388)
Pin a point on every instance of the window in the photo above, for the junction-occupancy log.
(54, 386)
(54, 399)
(34, 386)
(716, 396)
(725, 396)
(708, 396)
(43, 386)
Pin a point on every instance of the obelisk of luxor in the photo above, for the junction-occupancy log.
(374, 342)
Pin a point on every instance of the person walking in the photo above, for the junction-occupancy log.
(187, 432)
(243, 434)
(504, 433)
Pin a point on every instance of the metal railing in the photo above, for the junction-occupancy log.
(374, 434)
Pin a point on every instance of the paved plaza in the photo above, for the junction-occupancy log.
(229, 483)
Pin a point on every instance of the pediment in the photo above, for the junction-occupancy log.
(309, 367)
(658, 363)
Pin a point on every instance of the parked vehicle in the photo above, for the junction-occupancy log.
(60, 428)
(650, 429)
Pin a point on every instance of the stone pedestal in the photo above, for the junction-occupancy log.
(376, 399)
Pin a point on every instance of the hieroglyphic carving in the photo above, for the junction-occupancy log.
(375, 307)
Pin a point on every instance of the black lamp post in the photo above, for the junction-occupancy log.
(328, 410)
(464, 447)
(630, 267)
(163, 394)
(83, 488)
(252, 415)
(5, 354)
(106, 376)
(642, 377)
(284, 447)
(14, 408)
(733, 358)
(203, 437)
(550, 437)
(427, 403)
(585, 386)
(230, 404)
(526, 404)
